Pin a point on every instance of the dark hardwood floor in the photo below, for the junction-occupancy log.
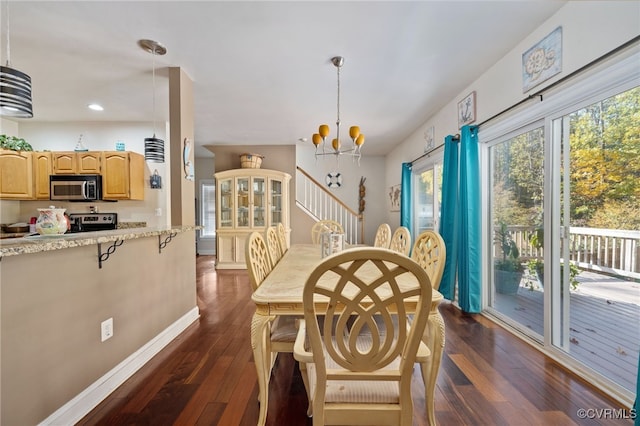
(206, 376)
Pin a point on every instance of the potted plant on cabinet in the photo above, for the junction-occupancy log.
(13, 143)
(507, 270)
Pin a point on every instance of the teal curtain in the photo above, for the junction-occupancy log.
(448, 216)
(405, 197)
(469, 249)
(460, 220)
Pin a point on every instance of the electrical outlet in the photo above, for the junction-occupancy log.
(107, 329)
(158, 211)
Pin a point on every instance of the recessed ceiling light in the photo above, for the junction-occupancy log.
(96, 107)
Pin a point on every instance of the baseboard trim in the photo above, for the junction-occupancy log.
(78, 407)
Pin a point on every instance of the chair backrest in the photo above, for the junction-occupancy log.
(322, 226)
(257, 259)
(273, 245)
(401, 240)
(282, 237)
(430, 252)
(383, 236)
(364, 326)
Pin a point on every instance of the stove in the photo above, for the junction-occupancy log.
(89, 222)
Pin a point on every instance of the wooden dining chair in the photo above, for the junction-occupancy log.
(359, 347)
(273, 245)
(282, 238)
(401, 240)
(383, 236)
(283, 327)
(322, 226)
(429, 251)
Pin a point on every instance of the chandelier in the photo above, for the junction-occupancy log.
(357, 138)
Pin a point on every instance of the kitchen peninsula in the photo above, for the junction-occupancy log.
(55, 294)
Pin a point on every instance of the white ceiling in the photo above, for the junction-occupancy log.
(261, 70)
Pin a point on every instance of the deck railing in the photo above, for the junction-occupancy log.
(611, 251)
(321, 204)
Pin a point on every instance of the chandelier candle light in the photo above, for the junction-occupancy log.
(357, 138)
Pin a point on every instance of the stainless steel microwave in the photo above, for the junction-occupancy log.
(75, 187)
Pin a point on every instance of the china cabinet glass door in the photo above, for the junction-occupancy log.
(276, 201)
(242, 191)
(226, 203)
(259, 202)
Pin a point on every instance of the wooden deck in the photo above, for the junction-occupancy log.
(604, 326)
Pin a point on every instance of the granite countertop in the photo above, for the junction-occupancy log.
(40, 243)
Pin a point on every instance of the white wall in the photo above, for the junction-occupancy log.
(102, 136)
(589, 30)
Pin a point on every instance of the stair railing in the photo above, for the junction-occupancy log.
(321, 204)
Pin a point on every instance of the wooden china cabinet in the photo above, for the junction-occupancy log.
(247, 200)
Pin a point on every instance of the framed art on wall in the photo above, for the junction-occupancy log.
(394, 198)
(542, 61)
(429, 138)
(467, 110)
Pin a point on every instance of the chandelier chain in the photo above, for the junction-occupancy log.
(8, 35)
(153, 79)
(338, 107)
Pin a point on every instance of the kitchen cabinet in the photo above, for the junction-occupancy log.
(16, 175)
(42, 168)
(82, 163)
(247, 200)
(122, 175)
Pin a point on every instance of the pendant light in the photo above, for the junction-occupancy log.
(15, 86)
(153, 147)
(357, 138)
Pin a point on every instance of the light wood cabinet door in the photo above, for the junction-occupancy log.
(89, 163)
(16, 175)
(230, 250)
(64, 163)
(42, 168)
(122, 176)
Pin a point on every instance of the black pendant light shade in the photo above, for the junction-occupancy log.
(15, 93)
(153, 147)
(154, 150)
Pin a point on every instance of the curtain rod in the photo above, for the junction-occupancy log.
(540, 93)
(455, 138)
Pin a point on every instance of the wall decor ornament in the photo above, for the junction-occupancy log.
(467, 110)
(362, 191)
(394, 198)
(334, 180)
(186, 160)
(543, 60)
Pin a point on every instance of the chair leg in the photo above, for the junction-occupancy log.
(305, 380)
(434, 339)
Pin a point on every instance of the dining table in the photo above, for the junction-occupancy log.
(280, 293)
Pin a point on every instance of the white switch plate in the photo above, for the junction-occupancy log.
(107, 329)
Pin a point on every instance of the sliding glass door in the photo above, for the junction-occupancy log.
(516, 192)
(595, 249)
(564, 246)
